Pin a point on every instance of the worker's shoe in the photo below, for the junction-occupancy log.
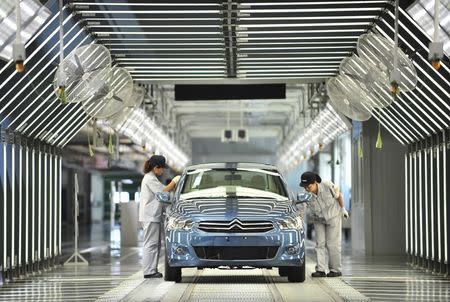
(334, 274)
(318, 274)
(154, 275)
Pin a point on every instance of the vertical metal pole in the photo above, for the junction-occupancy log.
(5, 207)
(33, 205)
(60, 203)
(411, 232)
(13, 204)
(406, 206)
(420, 204)
(416, 250)
(27, 204)
(20, 206)
(444, 167)
(55, 201)
(438, 199)
(39, 204)
(45, 204)
(427, 239)
(50, 218)
(432, 200)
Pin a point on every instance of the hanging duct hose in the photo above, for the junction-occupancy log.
(360, 148)
(18, 47)
(436, 48)
(379, 143)
(395, 74)
(61, 75)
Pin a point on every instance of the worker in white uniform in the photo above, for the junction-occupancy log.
(151, 211)
(326, 212)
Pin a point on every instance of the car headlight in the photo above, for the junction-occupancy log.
(179, 223)
(291, 223)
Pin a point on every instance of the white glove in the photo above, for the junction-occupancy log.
(344, 213)
(176, 179)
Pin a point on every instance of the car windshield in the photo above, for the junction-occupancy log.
(249, 183)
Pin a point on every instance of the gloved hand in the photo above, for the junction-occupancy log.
(344, 213)
(176, 179)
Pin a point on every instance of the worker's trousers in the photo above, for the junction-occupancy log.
(328, 238)
(152, 247)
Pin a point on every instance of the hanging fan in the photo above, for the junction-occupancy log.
(77, 67)
(136, 98)
(370, 78)
(347, 98)
(380, 51)
(110, 91)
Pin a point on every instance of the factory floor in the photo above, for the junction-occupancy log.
(114, 274)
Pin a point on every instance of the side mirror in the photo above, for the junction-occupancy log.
(303, 197)
(163, 197)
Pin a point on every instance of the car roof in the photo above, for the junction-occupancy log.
(232, 165)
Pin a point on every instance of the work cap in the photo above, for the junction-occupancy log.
(157, 161)
(309, 178)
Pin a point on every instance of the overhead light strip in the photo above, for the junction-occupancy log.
(421, 125)
(247, 32)
(239, 27)
(168, 59)
(288, 70)
(131, 4)
(310, 10)
(18, 93)
(221, 79)
(42, 82)
(137, 19)
(163, 44)
(175, 67)
(288, 3)
(252, 64)
(217, 72)
(295, 18)
(245, 26)
(435, 117)
(242, 59)
(243, 75)
(199, 50)
(295, 53)
(244, 48)
(146, 12)
(299, 38)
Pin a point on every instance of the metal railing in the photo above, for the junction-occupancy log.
(30, 205)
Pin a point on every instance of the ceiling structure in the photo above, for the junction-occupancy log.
(166, 43)
(239, 42)
(264, 41)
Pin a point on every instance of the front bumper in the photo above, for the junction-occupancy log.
(287, 248)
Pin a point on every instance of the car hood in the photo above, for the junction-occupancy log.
(229, 208)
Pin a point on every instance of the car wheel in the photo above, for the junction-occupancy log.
(296, 273)
(283, 271)
(171, 273)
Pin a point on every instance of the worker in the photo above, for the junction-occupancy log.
(326, 211)
(151, 211)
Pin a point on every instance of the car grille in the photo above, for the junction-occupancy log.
(236, 226)
(236, 252)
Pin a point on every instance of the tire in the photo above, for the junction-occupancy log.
(283, 271)
(171, 273)
(296, 273)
